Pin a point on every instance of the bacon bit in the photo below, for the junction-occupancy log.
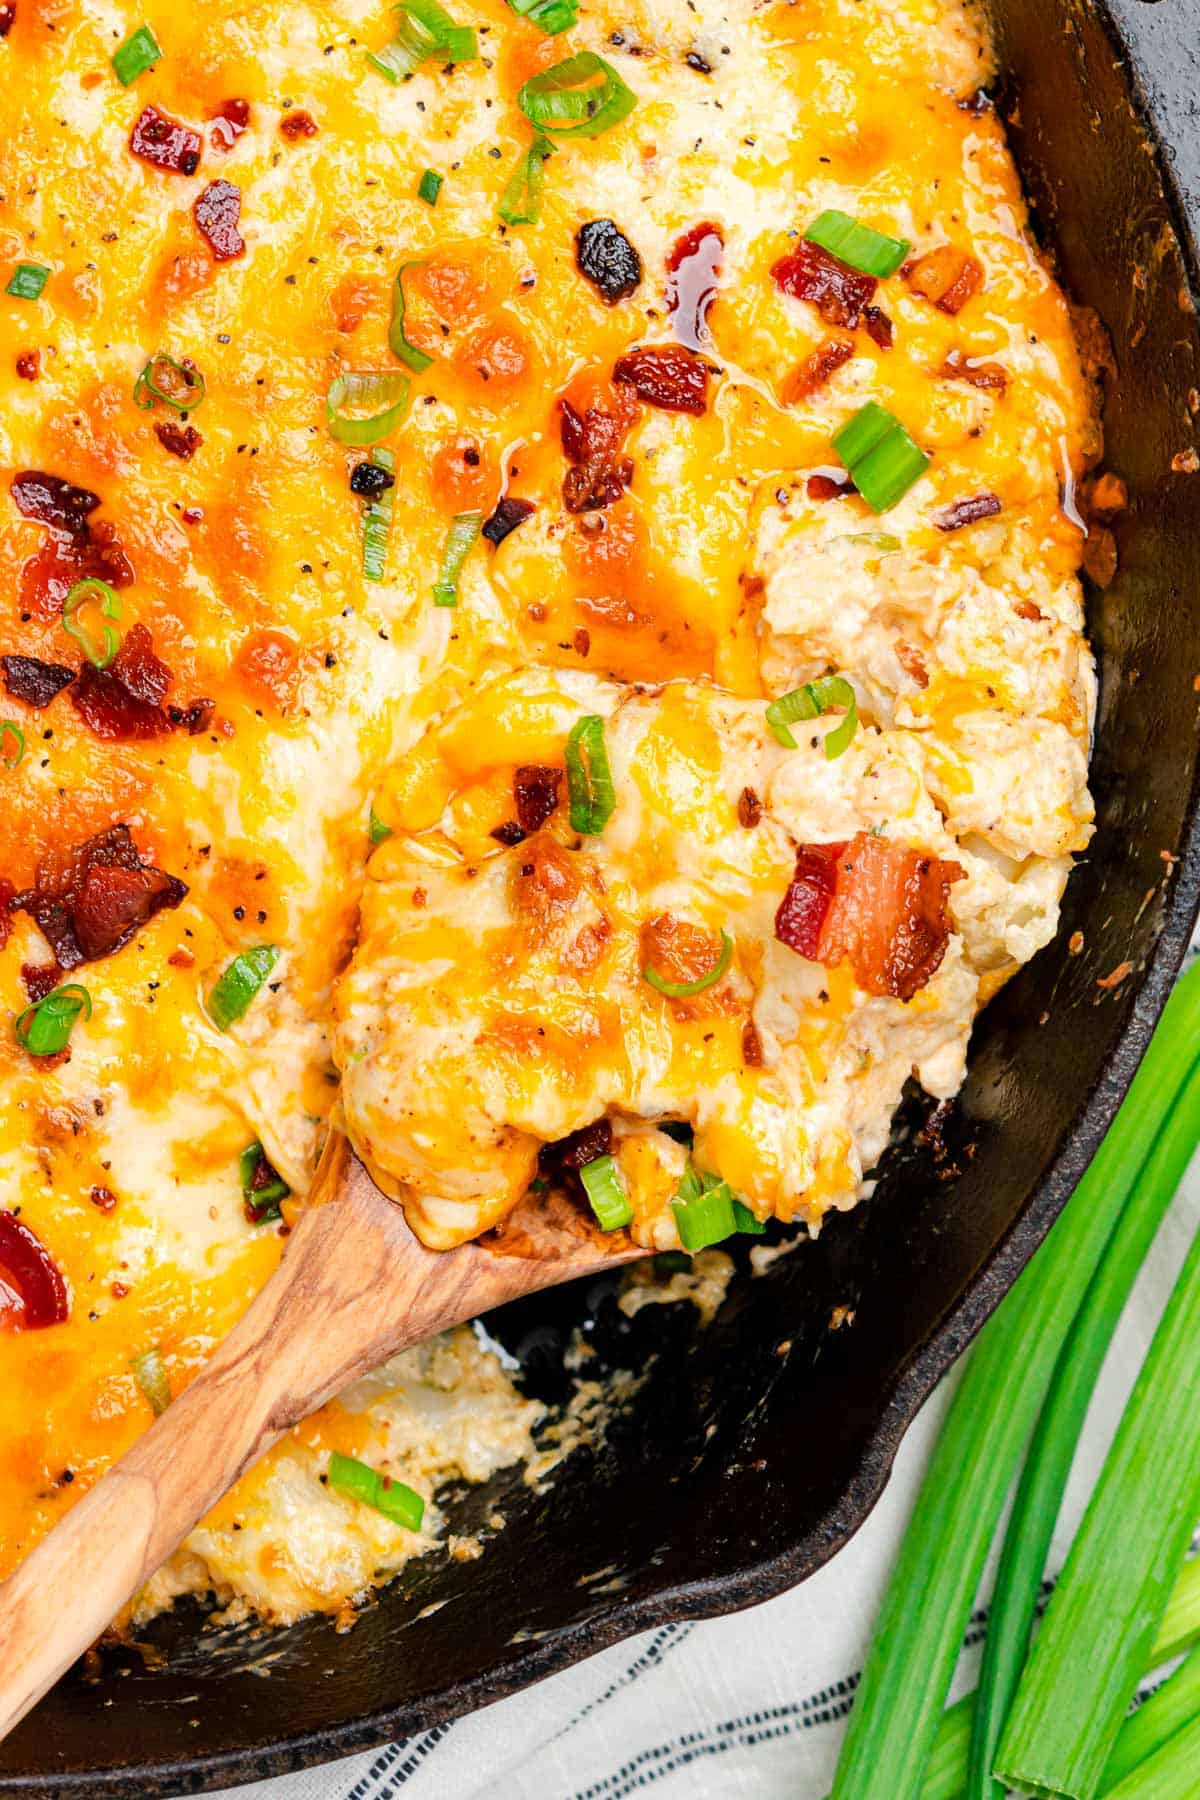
(216, 212)
(228, 123)
(535, 790)
(88, 901)
(29, 365)
(1100, 556)
(668, 376)
(881, 908)
(54, 502)
(36, 683)
(592, 442)
(749, 808)
(693, 272)
(1116, 976)
(124, 701)
(182, 441)
(581, 641)
(967, 512)
(561, 1162)
(182, 958)
(103, 1199)
(947, 276)
(8, 14)
(509, 834)
(7, 893)
(677, 949)
(1185, 462)
(40, 979)
(119, 1290)
(752, 1050)
(32, 1291)
(75, 548)
(510, 512)
(165, 142)
(913, 663)
(296, 125)
(586, 951)
(546, 884)
(816, 369)
(988, 375)
(879, 327)
(194, 718)
(828, 487)
(839, 293)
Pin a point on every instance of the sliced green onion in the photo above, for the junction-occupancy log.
(683, 990)
(521, 201)
(92, 588)
(358, 389)
(430, 186)
(703, 1208)
(377, 831)
(10, 730)
(1103, 1614)
(137, 54)
(608, 1199)
(551, 16)
(746, 1221)
(150, 1373)
(919, 1633)
(579, 98)
(425, 30)
(184, 393)
(27, 281)
(377, 521)
(1173, 1706)
(809, 702)
(394, 1499)
(238, 983)
(883, 460)
(857, 245)
(590, 789)
(262, 1201)
(44, 1029)
(464, 532)
(399, 345)
(1169, 1774)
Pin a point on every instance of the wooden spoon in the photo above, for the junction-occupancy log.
(354, 1287)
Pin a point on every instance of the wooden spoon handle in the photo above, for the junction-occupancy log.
(354, 1287)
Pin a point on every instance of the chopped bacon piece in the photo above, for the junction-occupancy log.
(298, 124)
(29, 365)
(987, 375)
(89, 900)
(535, 790)
(839, 293)
(967, 512)
(510, 512)
(668, 376)
(693, 271)
(182, 441)
(7, 891)
(54, 502)
(816, 369)
(36, 683)
(32, 1291)
(879, 327)
(217, 211)
(592, 443)
(881, 908)
(194, 718)
(912, 662)
(228, 123)
(40, 979)
(752, 1050)
(103, 1199)
(749, 809)
(165, 142)
(828, 485)
(947, 276)
(8, 14)
(509, 834)
(124, 701)
(562, 1162)
(546, 884)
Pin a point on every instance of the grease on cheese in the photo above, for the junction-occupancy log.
(329, 692)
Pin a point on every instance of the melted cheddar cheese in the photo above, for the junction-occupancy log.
(713, 576)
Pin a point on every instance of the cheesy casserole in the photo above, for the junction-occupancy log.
(540, 621)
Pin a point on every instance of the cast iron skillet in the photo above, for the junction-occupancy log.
(756, 1448)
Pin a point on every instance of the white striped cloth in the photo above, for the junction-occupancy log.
(754, 1704)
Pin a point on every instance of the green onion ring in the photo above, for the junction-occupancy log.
(566, 101)
(150, 1373)
(398, 344)
(44, 1029)
(521, 201)
(147, 389)
(360, 388)
(10, 729)
(683, 990)
(606, 1195)
(590, 789)
(809, 702)
(464, 531)
(92, 588)
(394, 1499)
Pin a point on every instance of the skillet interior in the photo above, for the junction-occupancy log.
(743, 1466)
